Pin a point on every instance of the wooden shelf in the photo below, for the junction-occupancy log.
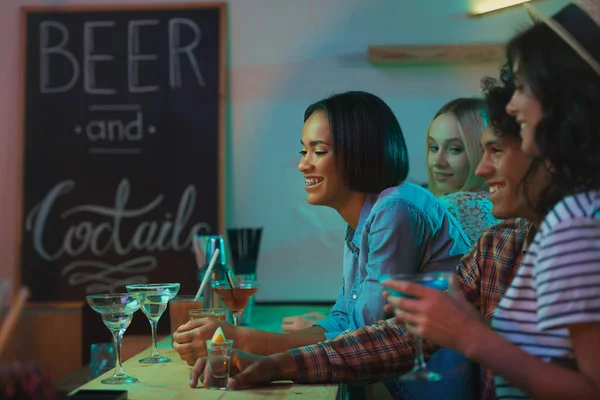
(459, 53)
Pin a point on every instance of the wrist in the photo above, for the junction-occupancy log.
(472, 338)
(287, 366)
(246, 338)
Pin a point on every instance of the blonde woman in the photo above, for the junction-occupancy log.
(453, 153)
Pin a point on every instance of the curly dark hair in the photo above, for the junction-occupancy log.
(568, 134)
(497, 94)
(368, 144)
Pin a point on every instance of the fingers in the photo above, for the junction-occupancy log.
(195, 323)
(406, 287)
(206, 374)
(410, 321)
(189, 358)
(405, 304)
(202, 329)
(245, 370)
(233, 383)
(296, 323)
(197, 371)
(314, 315)
(190, 348)
(184, 328)
(181, 337)
(406, 317)
(187, 353)
(244, 378)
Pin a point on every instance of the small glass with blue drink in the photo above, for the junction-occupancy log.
(435, 280)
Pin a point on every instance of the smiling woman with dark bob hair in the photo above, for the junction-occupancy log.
(368, 144)
(354, 160)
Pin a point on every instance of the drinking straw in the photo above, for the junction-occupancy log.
(208, 271)
(198, 253)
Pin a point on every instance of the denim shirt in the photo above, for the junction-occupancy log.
(403, 229)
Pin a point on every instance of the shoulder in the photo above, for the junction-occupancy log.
(402, 207)
(406, 196)
(511, 232)
(468, 201)
(573, 209)
(510, 226)
(457, 197)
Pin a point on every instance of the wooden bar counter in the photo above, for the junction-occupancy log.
(170, 381)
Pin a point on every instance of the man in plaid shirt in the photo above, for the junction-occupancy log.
(384, 350)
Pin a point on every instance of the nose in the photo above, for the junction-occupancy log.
(304, 165)
(485, 167)
(439, 159)
(511, 107)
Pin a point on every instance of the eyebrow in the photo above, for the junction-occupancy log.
(447, 140)
(313, 143)
(457, 140)
(493, 142)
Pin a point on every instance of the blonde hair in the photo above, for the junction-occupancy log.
(471, 118)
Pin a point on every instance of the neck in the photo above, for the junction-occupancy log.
(350, 210)
(532, 218)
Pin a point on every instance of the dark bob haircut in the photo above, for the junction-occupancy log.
(568, 134)
(368, 144)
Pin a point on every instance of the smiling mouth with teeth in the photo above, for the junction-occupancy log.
(496, 187)
(313, 181)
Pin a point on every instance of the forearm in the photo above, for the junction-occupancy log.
(267, 343)
(288, 370)
(538, 379)
(371, 353)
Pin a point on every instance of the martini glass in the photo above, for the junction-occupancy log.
(116, 311)
(154, 298)
(236, 298)
(436, 280)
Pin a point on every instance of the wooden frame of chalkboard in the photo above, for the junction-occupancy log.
(97, 170)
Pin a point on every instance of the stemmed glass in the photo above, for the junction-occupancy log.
(154, 298)
(116, 311)
(436, 280)
(236, 298)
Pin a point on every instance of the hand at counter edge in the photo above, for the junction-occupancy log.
(249, 370)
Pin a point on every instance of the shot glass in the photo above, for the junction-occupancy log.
(219, 356)
(216, 313)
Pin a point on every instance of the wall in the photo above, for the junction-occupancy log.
(285, 54)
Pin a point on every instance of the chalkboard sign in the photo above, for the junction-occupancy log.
(124, 113)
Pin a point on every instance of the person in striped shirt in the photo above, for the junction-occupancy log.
(545, 341)
(384, 350)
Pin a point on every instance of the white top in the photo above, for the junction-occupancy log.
(557, 285)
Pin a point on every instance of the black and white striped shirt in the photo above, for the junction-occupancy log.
(558, 285)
